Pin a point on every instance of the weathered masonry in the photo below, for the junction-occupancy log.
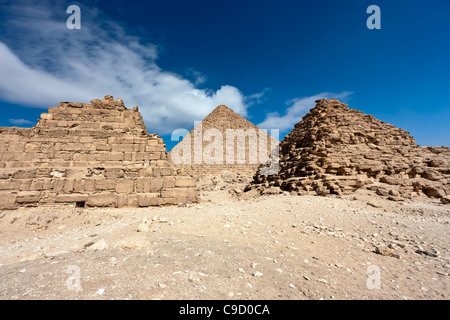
(98, 155)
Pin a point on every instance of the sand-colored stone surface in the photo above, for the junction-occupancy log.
(338, 150)
(98, 154)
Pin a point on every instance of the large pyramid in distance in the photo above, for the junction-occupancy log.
(223, 142)
(337, 150)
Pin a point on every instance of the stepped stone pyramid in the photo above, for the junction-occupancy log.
(242, 156)
(98, 154)
(337, 150)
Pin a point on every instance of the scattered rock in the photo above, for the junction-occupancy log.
(144, 226)
(426, 253)
(102, 244)
(373, 204)
(445, 199)
(386, 251)
(338, 150)
(134, 243)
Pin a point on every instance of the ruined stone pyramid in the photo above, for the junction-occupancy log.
(337, 150)
(223, 142)
(97, 154)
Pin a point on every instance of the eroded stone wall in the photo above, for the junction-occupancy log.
(337, 150)
(98, 154)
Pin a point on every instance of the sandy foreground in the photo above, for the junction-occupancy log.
(271, 247)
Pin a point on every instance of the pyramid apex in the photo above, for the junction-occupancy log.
(222, 106)
(223, 109)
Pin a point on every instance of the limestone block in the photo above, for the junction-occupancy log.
(68, 185)
(115, 163)
(139, 148)
(125, 186)
(132, 200)
(143, 185)
(168, 171)
(46, 116)
(24, 184)
(47, 183)
(13, 156)
(435, 192)
(86, 139)
(122, 200)
(24, 174)
(152, 142)
(148, 199)
(154, 155)
(146, 172)
(73, 197)
(28, 197)
(115, 156)
(89, 147)
(168, 182)
(142, 156)
(89, 184)
(79, 156)
(7, 200)
(156, 184)
(114, 173)
(16, 146)
(103, 147)
(78, 185)
(189, 193)
(9, 184)
(105, 184)
(59, 185)
(151, 148)
(140, 140)
(122, 148)
(128, 156)
(90, 157)
(102, 156)
(36, 185)
(184, 182)
(75, 105)
(102, 200)
(171, 201)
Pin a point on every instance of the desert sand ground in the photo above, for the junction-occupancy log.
(226, 247)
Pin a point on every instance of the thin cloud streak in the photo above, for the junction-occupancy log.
(46, 63)
(298, 107)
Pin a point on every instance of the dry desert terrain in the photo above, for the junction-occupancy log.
(229, 247)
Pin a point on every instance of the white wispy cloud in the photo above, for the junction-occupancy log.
(298, 107)
(198, 77)
(43, 63)
(259, 97)
(20, 122)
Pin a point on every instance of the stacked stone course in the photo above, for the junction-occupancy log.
(98, 154)
(337, 150)
(222, 119)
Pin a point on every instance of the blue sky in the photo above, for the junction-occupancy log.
(267, 60)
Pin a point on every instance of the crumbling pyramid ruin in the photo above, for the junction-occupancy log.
(223, 142)
(98, 154)
(337, 150)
